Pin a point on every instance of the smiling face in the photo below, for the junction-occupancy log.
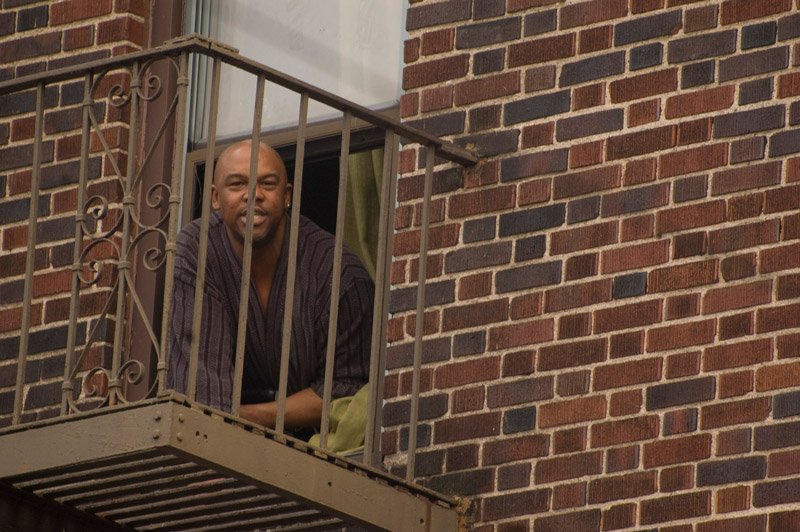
(273, 193)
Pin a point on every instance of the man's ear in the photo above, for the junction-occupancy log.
(214, 198)
(288, 194)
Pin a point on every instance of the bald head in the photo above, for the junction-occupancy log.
(238, 153)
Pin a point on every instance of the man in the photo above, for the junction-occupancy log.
(266, 301)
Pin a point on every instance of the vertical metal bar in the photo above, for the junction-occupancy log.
(124, 264)
(194, 350)
(380, 314)
(33, 213)
(80, 218)
(174, 218)
(288, 308)
(420, 313)
(247, 259)
(333, 318)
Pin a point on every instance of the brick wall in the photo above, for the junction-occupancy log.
(36, 36)
(612, 329)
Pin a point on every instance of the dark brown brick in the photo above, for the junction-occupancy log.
(440, 13)
(583, 521)
(630, 486)
(632, 144)
(487, 88)
(563, 468)
(676, 507)
(701, 18)
(514, 504)
(744, 236)
(740, 10)
(735, 413)
(521, 334)
(644, 85)
(595, 39)
(754, 63)
(579, 295)
(472, 258)
(467, 427)
(592, 68)
(589, 124)
(701, 46)
(585, 13)
(584, 237)
(515, 449)
(586, 181)
(774, 493)
(536, 107)
(690, 217)
(486, 33)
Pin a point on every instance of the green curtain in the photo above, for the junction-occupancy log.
(363, 206)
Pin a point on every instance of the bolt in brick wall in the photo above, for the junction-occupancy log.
(35, 37)
(617, 348)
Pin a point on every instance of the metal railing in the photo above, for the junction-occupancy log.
(114, 242)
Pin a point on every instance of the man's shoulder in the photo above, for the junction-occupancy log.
(190, 234)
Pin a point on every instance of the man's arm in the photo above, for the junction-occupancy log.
(303, 409)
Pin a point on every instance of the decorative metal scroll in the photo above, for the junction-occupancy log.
(115, 239)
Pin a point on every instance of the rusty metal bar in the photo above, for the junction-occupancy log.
(288, 307)
(30, 260)
(420, 312)
(247, 259)
(124, 263)
(380, 307)
(80, 218)
(194, 350)
(174, 219)
(336, 275)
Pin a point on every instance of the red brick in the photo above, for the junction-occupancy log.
(701, 18)
(430, 323)
(578, 295)
(735, 384)
(738, 267)
(776, 318)
(437, 41)
(440, 236)
(642, 6)
(588, 96)
(585, 13)
(621, 515)
(569, 495)
(742, 207)
(753, 176)
(676, 450)
(737, 441)
(627, 316)
(624, 431)
(676, 478)
(487, 88)
(519, 363)
(641, 113)
(640, 171)
(682, 276)
(467, 427)
(411, 50)
(569, 440)
(682, 335)
(674, 508)
(574, 326)
(120, 29)
(477, 285)
(738, 296)
(788, 287)
(737, 325)
(644, 85)
(694, 131)
(735, 413)
(526, 333)
(468, 372)
(538, 135)
(567, 467)
(627, 373)
(690, 217)
(780, 258)
(739, 10)
(585, 237)
(788, 346)
(635, 257)
(625, 403)
(586, 181)
(571, 411)
(515, 449)
(481, 201)
(699, 102)
(782, 199)
(641, 142)
(78, 38)
(541, 50)
(637, 227)
(526, 306)
(622, 458)
(733, 499)
(737, 355)
(572, 354)
(437, 98)
(784, 463)
(693, 160)
(777, 377)
(683, 365)
(435, 71)
(74, 10)
(595, 39)
(586, 154)
(474, 314)
(409, 105)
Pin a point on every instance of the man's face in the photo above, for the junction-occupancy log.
(229, 195)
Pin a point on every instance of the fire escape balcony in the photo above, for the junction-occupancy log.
(94, 435)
